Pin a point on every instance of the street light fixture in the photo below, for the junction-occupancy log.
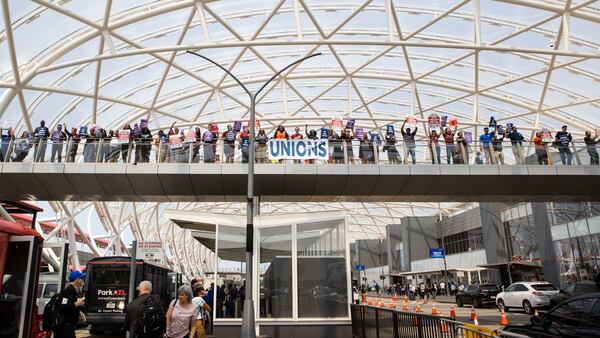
(248, 328)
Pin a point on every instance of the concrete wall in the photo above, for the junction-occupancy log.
(546, 248)
(394, 242)
(418, 236)
(371, 252)
(464, 260)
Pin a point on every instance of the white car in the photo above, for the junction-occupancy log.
(526, 295)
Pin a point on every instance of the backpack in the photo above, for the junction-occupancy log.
(151, 321)
(51, 317)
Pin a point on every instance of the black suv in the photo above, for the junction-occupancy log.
(478, 295)
(575, 318)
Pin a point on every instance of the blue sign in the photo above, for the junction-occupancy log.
(324, 133)
(350, 124)
(436, 253)
(237, 126)
(360, 268)
(390, 130)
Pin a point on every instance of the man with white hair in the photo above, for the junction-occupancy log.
(145, 316)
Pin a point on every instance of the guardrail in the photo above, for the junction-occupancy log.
(419, 152)
(379, 322)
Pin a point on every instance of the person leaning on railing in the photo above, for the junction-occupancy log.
(347, 137)
(516, 140)
(540, 149)
(450, 147)
(462, 156)
(8, 135)
(22, 146)
(434, 144)
(563, 138)
(486, 139)
(591, 144)
(498, 151)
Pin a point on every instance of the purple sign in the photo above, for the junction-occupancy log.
(468, 137)
(237, 126)
(144, 123)
(444, 121)
(350, 124)
(360, 134)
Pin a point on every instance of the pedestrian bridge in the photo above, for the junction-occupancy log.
(298, 182)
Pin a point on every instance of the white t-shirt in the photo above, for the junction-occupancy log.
(198, 303)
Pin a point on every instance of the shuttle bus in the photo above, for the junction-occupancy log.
(107, 287)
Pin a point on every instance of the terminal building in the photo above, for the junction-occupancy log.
(280, 153)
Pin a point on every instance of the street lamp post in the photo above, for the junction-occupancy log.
(248, 328)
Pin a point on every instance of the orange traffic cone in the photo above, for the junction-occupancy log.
(452, 313)
(370, 301)
(503, 319)
(404, 306)
(475, 321)
(392, 305)
(473, 314)
(381, 304)
(418, 309)
(425, 300)
(433, 309)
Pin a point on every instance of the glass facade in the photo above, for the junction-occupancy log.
(302, 270)
(576, 234)
(322, 279)
(469, 240)
(276, 272)
(231, 269)
(522, 241)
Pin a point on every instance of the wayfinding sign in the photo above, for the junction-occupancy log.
(436, 253)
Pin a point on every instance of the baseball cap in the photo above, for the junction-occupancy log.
(76, 275)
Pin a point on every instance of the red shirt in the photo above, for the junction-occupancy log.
(297, 136)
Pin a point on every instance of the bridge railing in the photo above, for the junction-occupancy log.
(418, 152)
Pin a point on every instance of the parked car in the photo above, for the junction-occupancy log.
(47, 287)
(574, 318)
(478, 295)
(574, 290)
(526, 295)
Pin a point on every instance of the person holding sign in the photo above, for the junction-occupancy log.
(335, 142)
(7, 136)
(347, 137)
(261, 146)
(73, 144)
(450, 147)
(540, 148)
(516, 141)
(41, 135)
(390, 148)
(229, 137)
(591, 144)
(563, 138)
(280, 133)
(297, 136)
(409, 142)
(58, 137)
(462, 149)
(208, 139)
(434, 145)
(22, 146)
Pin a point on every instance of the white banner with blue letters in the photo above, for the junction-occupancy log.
(280, 149)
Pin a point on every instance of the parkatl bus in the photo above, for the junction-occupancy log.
(107, 287)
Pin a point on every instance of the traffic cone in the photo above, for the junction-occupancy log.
(404, 306)
(433, 309)
(370, 301)
(425, 300)
(452, 313)
(475, 321)
(382, 303)
(503, 319)
(473, 314)
(392, 305)
(418, 308)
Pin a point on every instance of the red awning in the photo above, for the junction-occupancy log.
(14, 228)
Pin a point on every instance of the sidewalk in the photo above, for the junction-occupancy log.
(438, 299)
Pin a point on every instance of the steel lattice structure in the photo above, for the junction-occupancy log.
(534, 63)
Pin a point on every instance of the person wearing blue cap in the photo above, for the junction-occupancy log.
(69, 310)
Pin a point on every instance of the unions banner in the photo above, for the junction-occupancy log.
(280, 149)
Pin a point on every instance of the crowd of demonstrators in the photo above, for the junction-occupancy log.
(175, 145)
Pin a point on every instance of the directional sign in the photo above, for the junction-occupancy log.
(360, 268)
(436, 253)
